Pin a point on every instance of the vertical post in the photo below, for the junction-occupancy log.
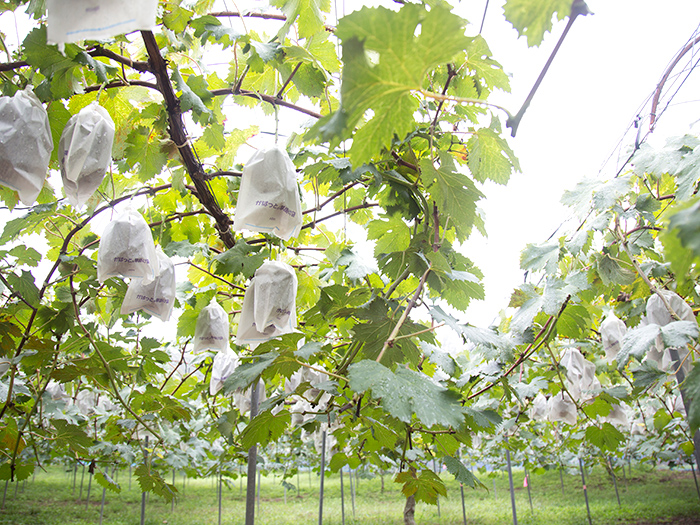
(512, 489)
(252, 464)
(129, 476)
(143, 494)
(495, 496)
(240, 480)
(695, 477)
(298, 482)
(614, 478)
(220, 490)
(342, 497)
(16, 489)
(529, 494)
(352, 492)
(87, 500)
(82, 478)
(437, 499)
(561, 478)
(104, 495)
(323, 475)
(172, 501)
(585, 491)
(75, 475)
(464, 507)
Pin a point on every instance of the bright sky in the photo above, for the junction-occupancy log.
(608, 66)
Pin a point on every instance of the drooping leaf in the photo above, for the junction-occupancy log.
(460, 472)
(404, 393)
(691, 387)
(265, 427)
(533, 18)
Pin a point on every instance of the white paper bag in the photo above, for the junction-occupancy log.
(657, 313)
(612, 330)
(156, 297)
(268, 200)
(561, 408)
(225, 363)
(269, 305)
(25, 144)
(85, 152)
(212, 329)
(127, 248)
(74, 20)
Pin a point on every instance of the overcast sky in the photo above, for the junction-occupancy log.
(608, 66)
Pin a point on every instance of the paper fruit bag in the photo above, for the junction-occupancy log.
(212, 329)
(25, 144)
(156, 297)
(74, 20)
(268, 200)
(127, 248)
(85, 152)
(269, 305)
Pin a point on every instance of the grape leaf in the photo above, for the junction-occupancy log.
(426, 487)
(265, 427)
(243, 259)
(385, 85)
(691, 388)
(606, 437)
(460, 472)
(309, 14)
(404, 393)
(533, 18)
(490, 157)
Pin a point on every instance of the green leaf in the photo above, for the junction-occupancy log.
(611, 272)
(24, 286)
(145, 150)
(533, 18)
(691, 388)
(246, 373)
(405, 392)
(243, 259)
(460, 472)
(679, 333)
(636, 343)
(426, 487)
(71, 436)
(104, 480)
(686, 223)
(307, 13)
(606, 437)
(150, 480)
(543, 257)
(189, 100)
(646, 375)
(392, 235)
(454, 193)
(264, 428)
(403, 57)
(490, 157)
(356, 265)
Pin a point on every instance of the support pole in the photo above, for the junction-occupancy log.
(464, 507)
(104, 495)
(614, 478)
(82, 478)
(87, 500)
(220, 490)
(342, 497)
(529, 494)
(252, 464)
(143, 494)
(585, 491)
(323, 476)
(512, 488)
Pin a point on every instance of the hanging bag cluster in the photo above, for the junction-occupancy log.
(268, 200)
(85, 152)
(211, 331)
(127, 249)
(225, 363)
(74, 20)
(156, 297)
(25, 144)
(269, 305)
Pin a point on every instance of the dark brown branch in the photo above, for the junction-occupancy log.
(11, 66)
(99, 51)
(289, 79)
(121, 83)
(216, 174)
(265, 98)
(266, 16)
(451, 73)
(179, 137)
(579, 7)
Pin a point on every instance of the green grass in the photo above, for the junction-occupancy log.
(648, 497)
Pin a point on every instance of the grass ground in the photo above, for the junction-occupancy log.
(646, 498)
